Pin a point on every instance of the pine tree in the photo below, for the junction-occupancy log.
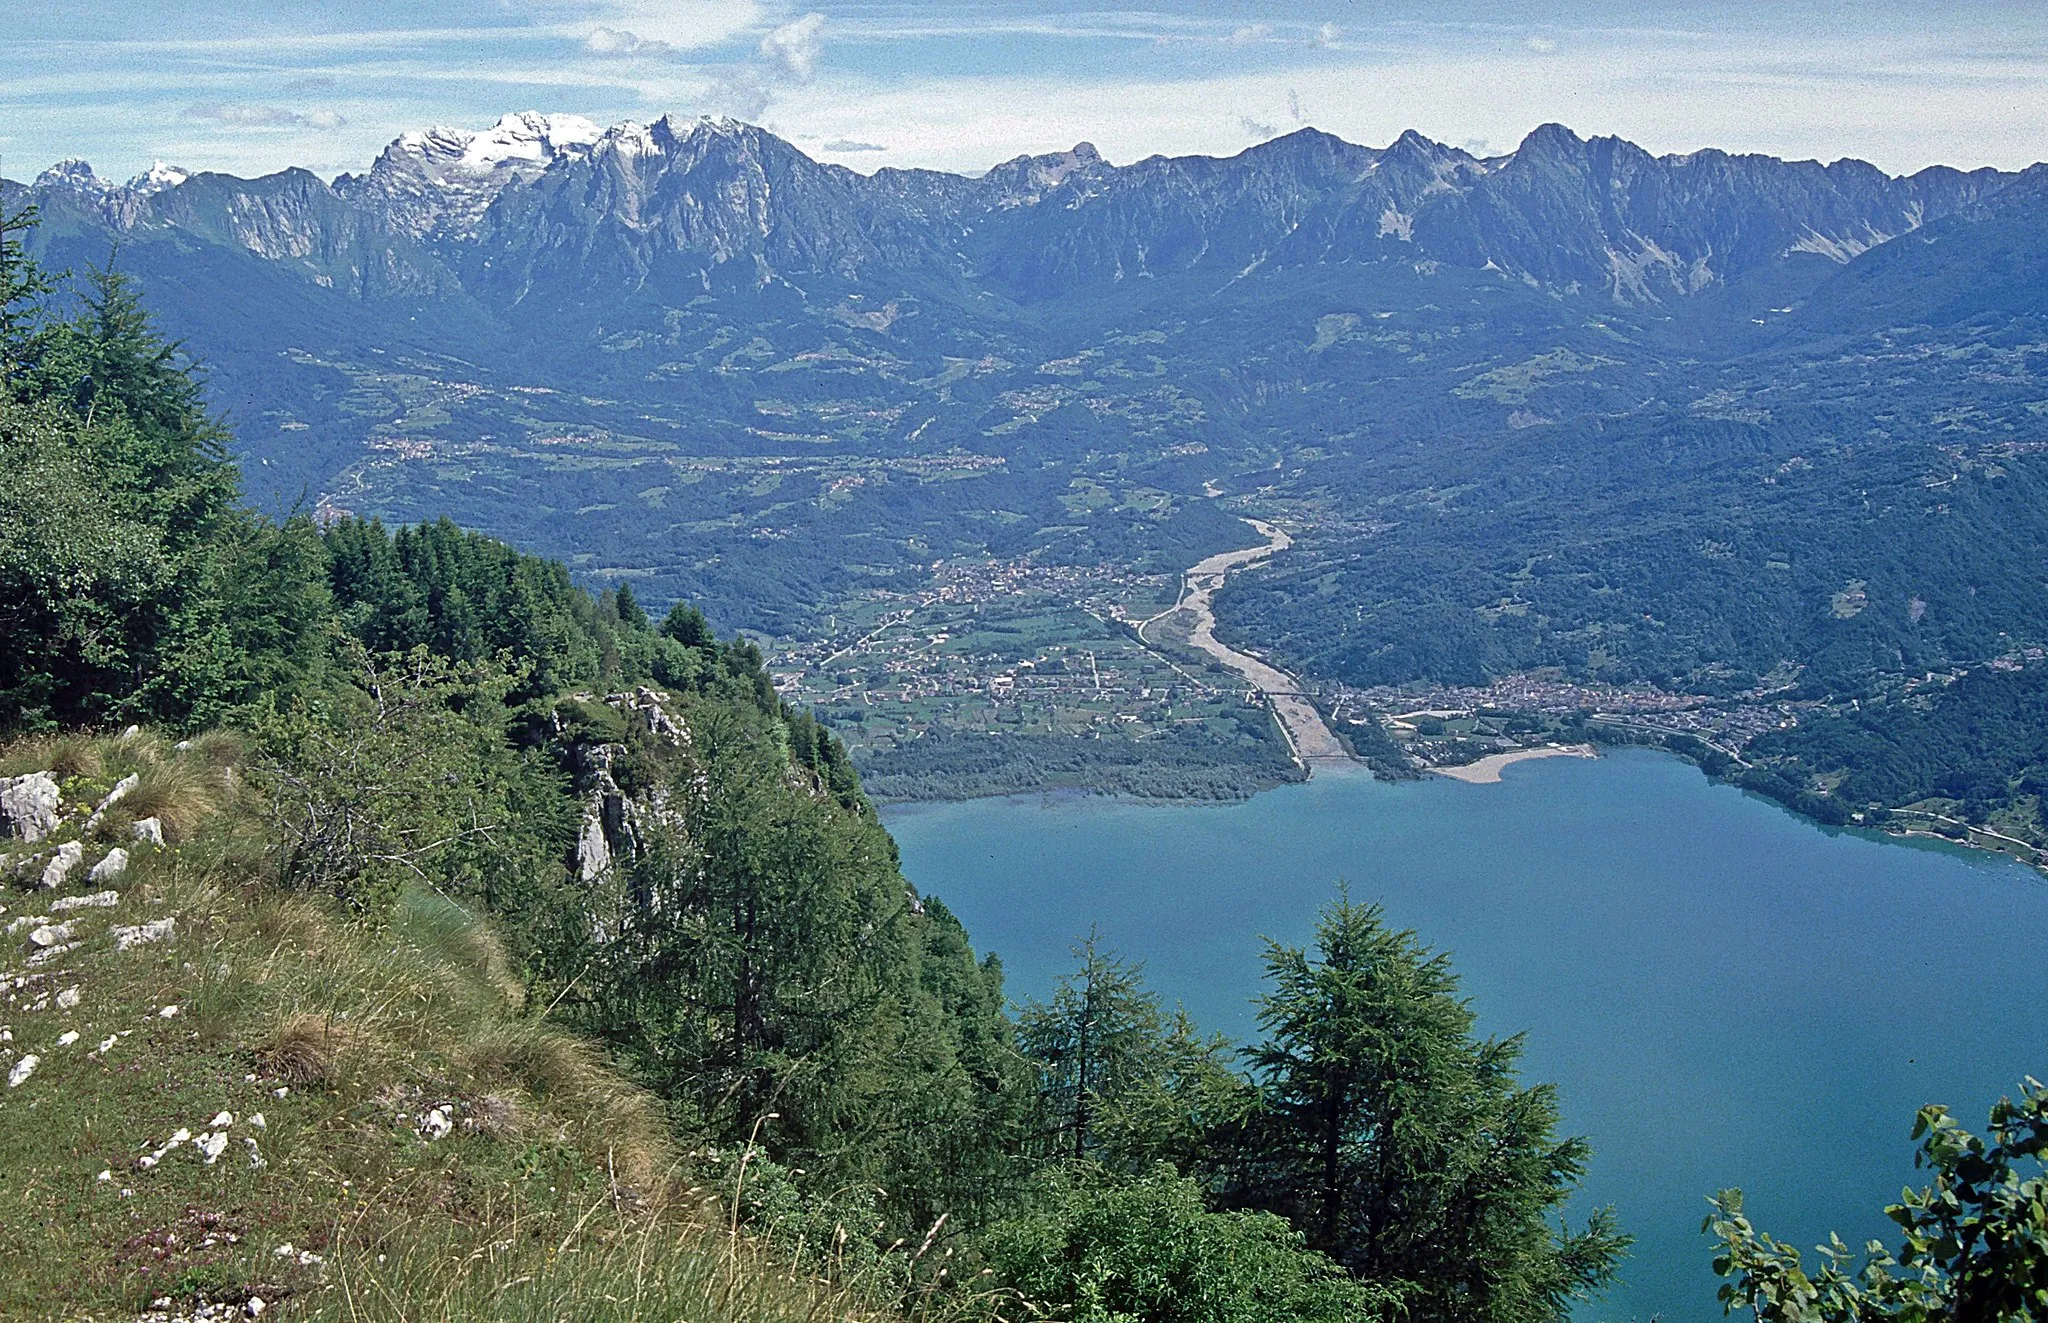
(1404, 1146)
(1098, 1035)
(628, 607)
(687, 626)
(24, 331)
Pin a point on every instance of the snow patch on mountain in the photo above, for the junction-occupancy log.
(159, 177)
(438, 182)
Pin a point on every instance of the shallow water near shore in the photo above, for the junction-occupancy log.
(1726, 995)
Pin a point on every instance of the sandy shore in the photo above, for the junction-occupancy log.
(1487, 770)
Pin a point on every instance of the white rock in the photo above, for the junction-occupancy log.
(114, 796)
(255, 1119)
(142, 934)
(280, 1092)
(31, 805)
(69, 998)
(255, 1153)
(436, 1124)
(212, 1144)
(26, 921)
(167, 1013)
(593, 853)
(57, 870)
(67, 1038)
(149, 831)
(22, 1070)
(148, 1160)
(53, 953)
(221, 1120)
(255, 1306)
(49, 935)
(131, 732)
(104, 1176)
(98, 900)
(108, 1044)
(109, 868)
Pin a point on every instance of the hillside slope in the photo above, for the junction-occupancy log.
(220, 1093)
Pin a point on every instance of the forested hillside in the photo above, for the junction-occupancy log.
(479, 884)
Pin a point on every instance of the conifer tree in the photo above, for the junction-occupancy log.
(1403, 1145)
(628, 607)
(23, 285)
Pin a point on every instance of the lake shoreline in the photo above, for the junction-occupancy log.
(1486, 771)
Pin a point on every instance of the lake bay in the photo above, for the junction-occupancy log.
(1726, 995)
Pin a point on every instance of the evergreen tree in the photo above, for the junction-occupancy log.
(1404, 1146)
(24, 332)
(687, 626)
(628, 608)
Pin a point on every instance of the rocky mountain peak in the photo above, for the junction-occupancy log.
(73, 176)
(439, 181)
(159, 177)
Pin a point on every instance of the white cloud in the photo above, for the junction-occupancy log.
(618, 41)
(1667, 94)
(852, 145)
(1328, 35)
(1541, 45)
(1255, 128)
(1294, 107)
(1252, 34)
(243, 115)
(795, 46)
(646, 27)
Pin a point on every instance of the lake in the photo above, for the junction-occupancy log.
(1726, 995)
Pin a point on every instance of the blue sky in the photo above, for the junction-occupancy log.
(250, 87)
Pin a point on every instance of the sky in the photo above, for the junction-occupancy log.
(961, 84)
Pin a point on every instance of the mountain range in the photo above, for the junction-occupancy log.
(548, 210)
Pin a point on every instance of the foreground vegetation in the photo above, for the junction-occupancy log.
(405, 1138)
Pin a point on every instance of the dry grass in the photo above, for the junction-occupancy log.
(558, 1194)
(307, 1050)
(68, 756)
(181, 793)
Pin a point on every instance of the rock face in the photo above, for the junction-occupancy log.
(149, 831)
(615, 825)
(30, 805)
(593, 852)
(551, 209)
(438, 182)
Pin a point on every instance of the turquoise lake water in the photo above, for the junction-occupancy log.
(1725, 994)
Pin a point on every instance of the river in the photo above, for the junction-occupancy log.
(1724, 993)
(1309, 738)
